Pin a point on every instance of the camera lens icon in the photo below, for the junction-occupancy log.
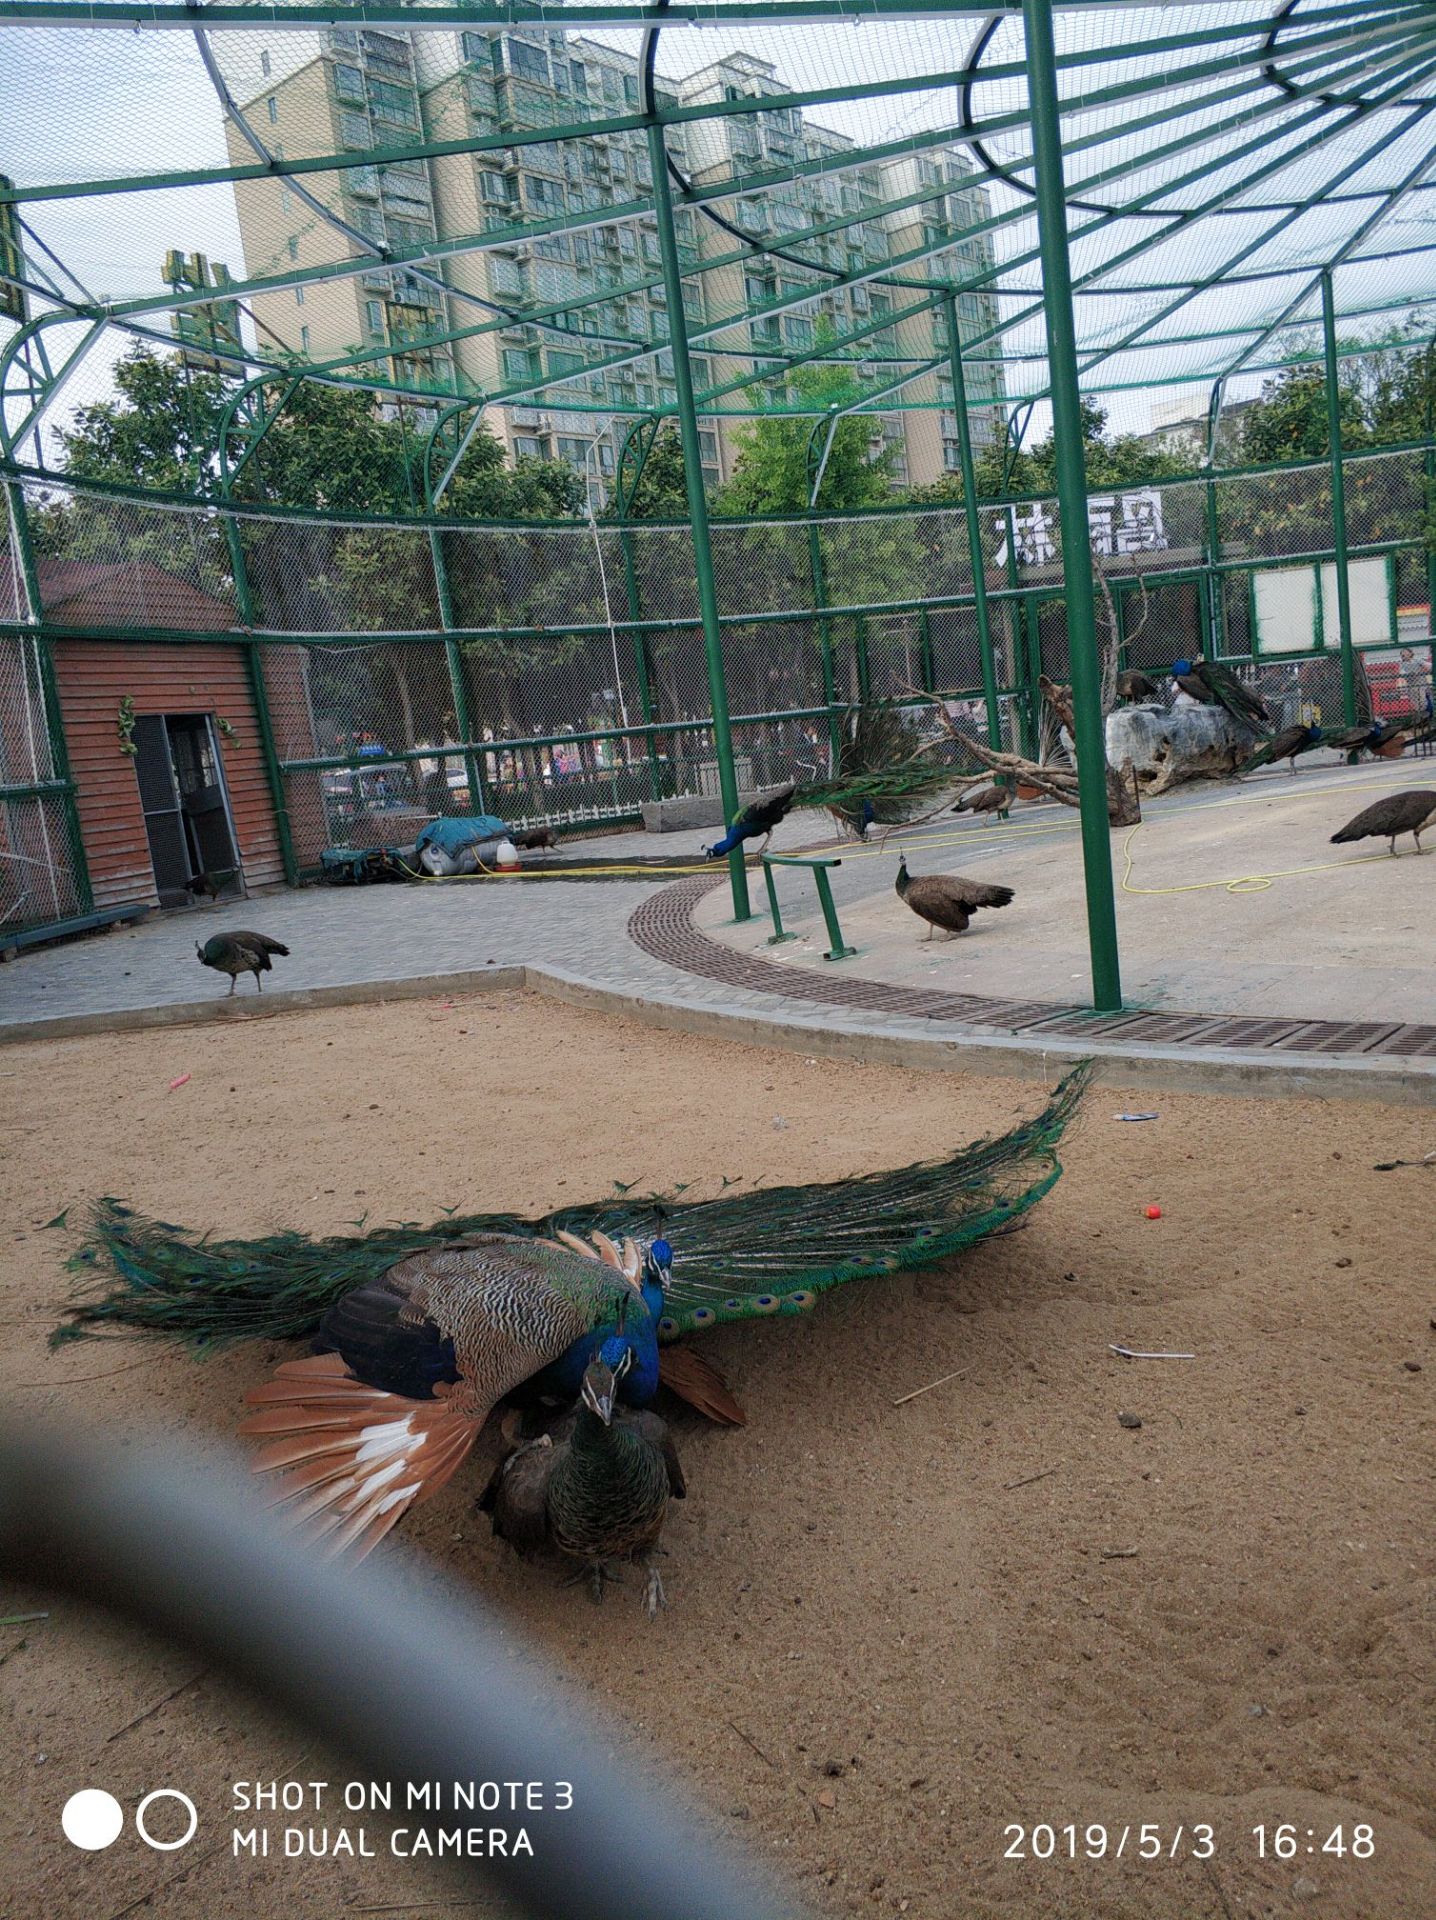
(92, 1819)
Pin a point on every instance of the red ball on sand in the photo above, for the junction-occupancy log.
(1154, 1213)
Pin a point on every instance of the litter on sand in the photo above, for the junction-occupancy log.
(1136, 1116)
(1130, 1353)
(183, 1081)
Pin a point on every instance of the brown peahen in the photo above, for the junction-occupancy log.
(1410, 812)
(989, 799)
(595, 1486)
(946, 900)
(1135, 686)
(237, 953)
(1286, 745)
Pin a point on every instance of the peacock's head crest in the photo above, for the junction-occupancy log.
(602, 1375)
(658, 1264)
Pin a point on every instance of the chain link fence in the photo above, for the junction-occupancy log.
(555, 673)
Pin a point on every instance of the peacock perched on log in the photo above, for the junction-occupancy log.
(1286, 745)
(882, 775)
(1214, 685)
(422, 1330)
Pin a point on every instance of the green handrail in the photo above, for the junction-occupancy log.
(817, 865)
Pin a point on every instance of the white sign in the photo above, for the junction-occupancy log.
(1116, 524)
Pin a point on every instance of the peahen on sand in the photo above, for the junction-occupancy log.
(1217, 686)
(1410, 812)
(595, 1485)
(946, 900)
(989, 799)
(237, 953)
(881, 776)
(423, 1329)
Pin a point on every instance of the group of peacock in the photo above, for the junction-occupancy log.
(577, 1321)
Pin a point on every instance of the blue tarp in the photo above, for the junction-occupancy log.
(451, 833)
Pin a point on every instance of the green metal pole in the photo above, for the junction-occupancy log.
(924, 635)
(974, 525)
(1216, 583)
(458, 686)
(640, 658)
(259, 700)
(1072, 503)
(49, 693)
(1338, 500)
(825, 641)
(697, 505)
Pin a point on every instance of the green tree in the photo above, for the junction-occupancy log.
(662, 490)
(770, 473)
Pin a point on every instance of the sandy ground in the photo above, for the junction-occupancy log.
(1223, 1616)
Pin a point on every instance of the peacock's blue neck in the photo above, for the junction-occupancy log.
(563, 1377)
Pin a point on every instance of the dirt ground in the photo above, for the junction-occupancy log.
(896, 1630)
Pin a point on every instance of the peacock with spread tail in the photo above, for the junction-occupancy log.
(422, 1330)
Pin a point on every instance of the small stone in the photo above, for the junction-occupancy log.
(1300, 1412)
(1304, 1889)
(739, 1813)
(834, 1769)
(1128, 1420)
(1255, 1711)
(1344, 1261)
(827, 1799)
(1412, 1366)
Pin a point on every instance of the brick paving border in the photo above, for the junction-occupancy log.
(663, 927)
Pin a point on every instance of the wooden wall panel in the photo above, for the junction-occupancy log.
(93, 677)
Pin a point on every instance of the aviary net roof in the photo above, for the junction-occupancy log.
(454, 202)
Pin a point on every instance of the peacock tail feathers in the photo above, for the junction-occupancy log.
(746, 1255)
(882, 774)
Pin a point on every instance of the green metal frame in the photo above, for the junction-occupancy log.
(818, 866)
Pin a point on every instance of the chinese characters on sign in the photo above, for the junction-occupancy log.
(1116, 524)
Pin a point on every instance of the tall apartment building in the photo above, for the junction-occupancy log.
(600, 287)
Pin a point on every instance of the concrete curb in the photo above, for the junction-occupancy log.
(820, 1032)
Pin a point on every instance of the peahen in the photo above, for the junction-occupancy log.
(1216, 686)
(426, 1327)
(945, 899)
(596, 1485)
(237, 953)
(1285, 745)
(989, 799)
(1410, 812)
(1134, 686)
(1386, 740)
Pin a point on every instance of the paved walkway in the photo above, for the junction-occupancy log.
(1009, 999)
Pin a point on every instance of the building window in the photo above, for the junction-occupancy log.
(304, 339)
(299, 296)
(354, 129)
(293, 246)
(530, 62)
(264, 64)
(374, 316)
(349, 83)
(580, 85)
(527, 448)
(273, 106)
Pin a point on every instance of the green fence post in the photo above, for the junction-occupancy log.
(50, 694)
(836, 949)
(924, 641)
(825, 641)
(777, 936)
(1072, 503)
(1338, 499)
(697, 504)
(640, 659)
(458, 686)
(259, 700)
(974, 524)
(1216, 580)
